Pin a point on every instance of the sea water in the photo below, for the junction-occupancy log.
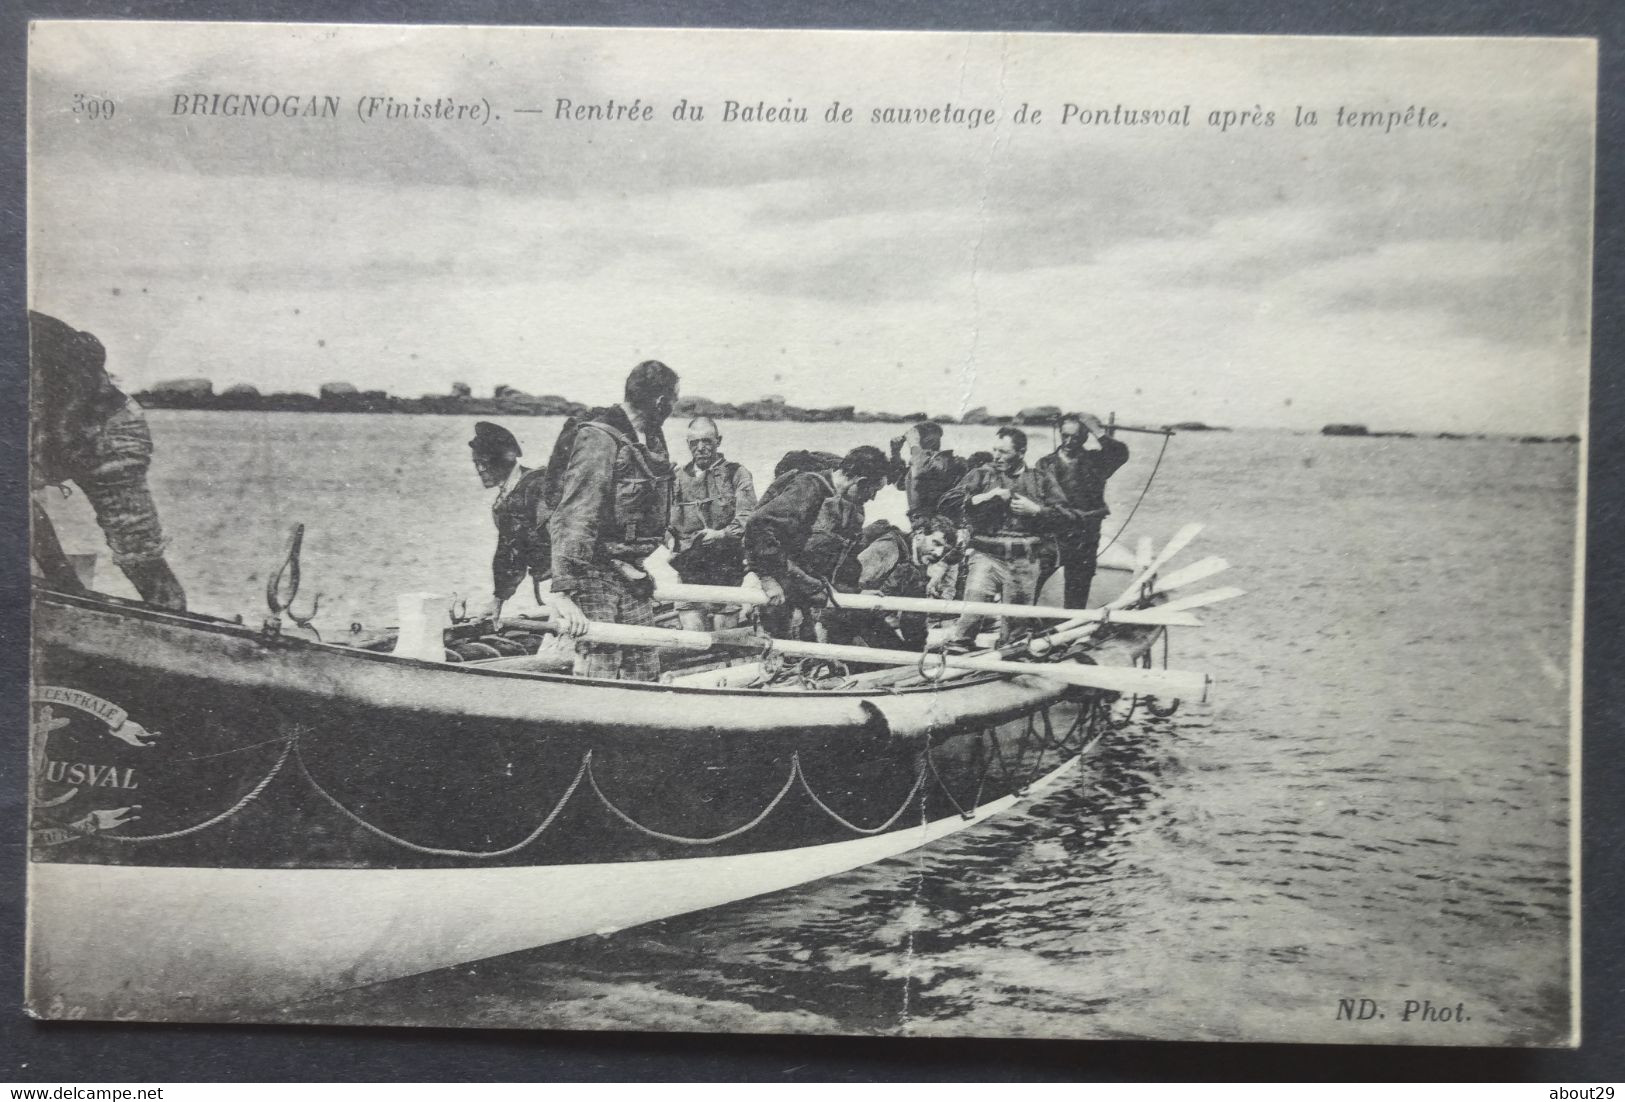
(1373, 806)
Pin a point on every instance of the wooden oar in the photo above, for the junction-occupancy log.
(1117, 679)
(1040, 646)
(1197, 571)
(1182, 539)
(878, 603)
(1202, 599)
(1142, 554)
(753, 595)
(1167, 683)
(709, 594)
(626, 635)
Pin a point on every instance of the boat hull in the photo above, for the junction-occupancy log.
(208, 936)
(266, 818)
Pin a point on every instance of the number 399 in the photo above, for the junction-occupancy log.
(93, 106)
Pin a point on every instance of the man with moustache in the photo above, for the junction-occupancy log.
(896, 564)
(519, 511)
(1011, 510)
(1081, 471)
(611, 506)
(803, 540)
(714, 498)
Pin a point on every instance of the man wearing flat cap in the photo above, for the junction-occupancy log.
(518, 510)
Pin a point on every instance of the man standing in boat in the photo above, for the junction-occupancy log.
(803, 540)
(927, 473)
(611, 496)
(1081, 471)
(1011, 510)
(519, 511)
(84, 430)
(714, 498)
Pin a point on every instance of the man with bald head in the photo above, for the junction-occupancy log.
(713, 499)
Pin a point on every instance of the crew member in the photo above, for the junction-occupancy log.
(803, 539)
(1081, 470)
(800, 459)
(927, 473)
(714, 498)
(519, 511)
(1010, 509)
(84, 430)
(897, 565)
(611, 506)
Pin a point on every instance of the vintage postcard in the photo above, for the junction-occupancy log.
(778, 531)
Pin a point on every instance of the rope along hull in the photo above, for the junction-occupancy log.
(283, 817)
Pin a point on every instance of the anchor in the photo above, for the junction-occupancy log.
(288, 573)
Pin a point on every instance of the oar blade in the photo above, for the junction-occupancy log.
(1160, 616)
(1168, 684)
(1197, 571)
(1200, 600)
(1181, 540)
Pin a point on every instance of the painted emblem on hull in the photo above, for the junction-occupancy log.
(58, 780)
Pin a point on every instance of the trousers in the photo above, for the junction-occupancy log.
(988, 577)
(608, 597)
(1079, 564)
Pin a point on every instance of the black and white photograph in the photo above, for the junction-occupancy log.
(912, 534)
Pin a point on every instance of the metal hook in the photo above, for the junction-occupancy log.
(289, 572)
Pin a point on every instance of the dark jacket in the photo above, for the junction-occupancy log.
(611, 497)
(995, 518)
(1083, 481)
(70, 398)
(802, 521)
(889, 569)
(925, 477)
(523, 546)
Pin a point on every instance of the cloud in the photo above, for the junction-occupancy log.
(1183, 273)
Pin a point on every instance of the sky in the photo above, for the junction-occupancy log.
(1281, 276)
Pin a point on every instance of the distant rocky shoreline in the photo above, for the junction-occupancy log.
(507, 401)
(1350, 429)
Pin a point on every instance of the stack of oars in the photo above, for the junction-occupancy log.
(1133, 606)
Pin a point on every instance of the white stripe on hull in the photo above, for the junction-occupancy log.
(187, 942)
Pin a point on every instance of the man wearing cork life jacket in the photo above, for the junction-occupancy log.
(804, 538)
(611, 503)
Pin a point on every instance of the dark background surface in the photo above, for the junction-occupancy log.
(89, 1052)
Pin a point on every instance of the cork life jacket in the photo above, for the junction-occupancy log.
(831, 551)
(643, 484)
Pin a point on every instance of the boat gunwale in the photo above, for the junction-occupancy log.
(100, 602)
